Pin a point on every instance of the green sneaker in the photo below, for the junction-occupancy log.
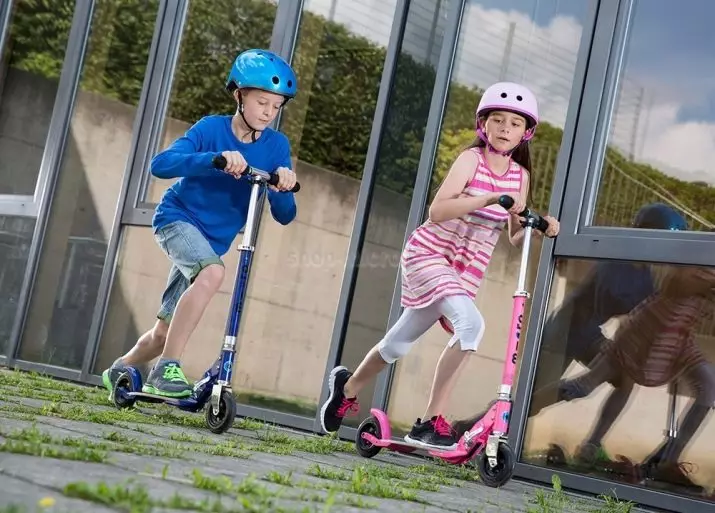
(111, 375)
(168, 380)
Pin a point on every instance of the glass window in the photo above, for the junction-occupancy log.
(90, 178)
(205, 58)
(298, 269)
(632, 346)
(29, 73)
(15, 240)
(534, 43)
(395, 175)
(662, 133)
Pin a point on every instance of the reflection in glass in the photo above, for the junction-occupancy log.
(662, 132)
(15, 240)
(83, 206)
(623, 344)
(534, 43)
(298, 269)
(395, 174)
(29, 74)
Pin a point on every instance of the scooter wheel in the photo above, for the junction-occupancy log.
(226, 413)
(365, 448)
(498, 475)
(121, 390)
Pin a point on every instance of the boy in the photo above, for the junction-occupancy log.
(200, 215)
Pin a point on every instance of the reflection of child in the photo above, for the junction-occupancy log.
(655, 345)
(573, 331)
(444, 259)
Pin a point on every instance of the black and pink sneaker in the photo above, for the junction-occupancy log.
(434, 433)
(337, 407)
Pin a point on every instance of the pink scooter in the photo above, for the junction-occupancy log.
(487, 438)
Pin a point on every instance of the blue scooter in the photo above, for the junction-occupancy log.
(215, 385)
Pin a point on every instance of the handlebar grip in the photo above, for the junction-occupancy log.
(540, 223)
(219, 162)
(507, 201)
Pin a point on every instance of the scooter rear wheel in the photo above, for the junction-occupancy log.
(497, 476)
(226, 413)
(122, 387)
(365, 448)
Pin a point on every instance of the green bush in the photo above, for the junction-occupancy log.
(329, 122)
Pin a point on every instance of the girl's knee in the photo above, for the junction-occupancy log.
(469, 332)
(391, 350)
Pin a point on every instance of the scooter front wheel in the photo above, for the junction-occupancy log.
(122, 388)
(498, 475)
(364, 448)
(226, 413)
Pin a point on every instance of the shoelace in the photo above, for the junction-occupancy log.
(442, 427)
(173, 372)
(348, 407)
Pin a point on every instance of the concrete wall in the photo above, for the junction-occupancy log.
(294, 289)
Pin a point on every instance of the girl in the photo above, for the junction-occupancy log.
(444, 260)
(200, 215)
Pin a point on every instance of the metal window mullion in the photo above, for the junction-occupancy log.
(18, 206)
(166, 11)
(357, 236)
(421, 189)
(157, 105)
(52, 158)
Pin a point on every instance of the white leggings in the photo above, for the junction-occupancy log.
(467, 322)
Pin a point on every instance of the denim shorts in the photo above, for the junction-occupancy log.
(189, 252)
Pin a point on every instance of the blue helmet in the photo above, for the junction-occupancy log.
(261, 69)
(659, 216)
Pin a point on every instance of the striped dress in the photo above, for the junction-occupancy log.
(450, 257)
(655, 344)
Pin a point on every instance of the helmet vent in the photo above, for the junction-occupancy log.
(275, 80)
(503, 95)
(518, 97)
(290, 83)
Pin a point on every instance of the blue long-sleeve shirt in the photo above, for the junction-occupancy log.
(213, 201)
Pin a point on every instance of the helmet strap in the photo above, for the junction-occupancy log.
(243, 117)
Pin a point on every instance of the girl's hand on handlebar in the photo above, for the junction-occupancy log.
(519, 204)
(286, 180)
(554, 227)
(235, 163)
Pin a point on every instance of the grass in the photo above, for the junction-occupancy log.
(322, 487)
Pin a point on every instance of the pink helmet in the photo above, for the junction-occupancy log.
(512, 97)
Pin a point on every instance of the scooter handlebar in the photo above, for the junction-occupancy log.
(219, 162)
(537, 221)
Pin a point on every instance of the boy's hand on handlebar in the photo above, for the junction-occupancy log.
(235, 163)
(286, 180)
(554, 226)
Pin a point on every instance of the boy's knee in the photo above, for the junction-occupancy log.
(160, 330)
(210, 277)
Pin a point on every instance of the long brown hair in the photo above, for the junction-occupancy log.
(520, 155)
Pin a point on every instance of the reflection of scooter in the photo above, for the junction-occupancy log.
(215, 386)
(487, 438)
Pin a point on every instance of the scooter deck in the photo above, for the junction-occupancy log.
(407, 447)
(153, 398)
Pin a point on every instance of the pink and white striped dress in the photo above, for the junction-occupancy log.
(450, 257)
